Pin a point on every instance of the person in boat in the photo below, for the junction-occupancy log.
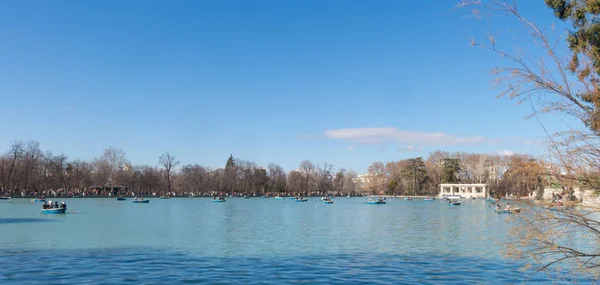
(507, 207)
(56, 205)
(498, 207)
(63, 205)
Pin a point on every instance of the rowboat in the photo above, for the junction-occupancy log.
(121, 199)
(327, 202)
(39, 200)
(217, 200)
(301, 200)
(407, 198)
(278, 198)
(511, 211)
(375, 202)
(4, 198)
(454, 203)
(428, 199)
(54, 211)
(141, 201)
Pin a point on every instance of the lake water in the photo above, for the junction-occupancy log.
(252, 241)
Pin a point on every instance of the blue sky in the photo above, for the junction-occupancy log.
(343, 82)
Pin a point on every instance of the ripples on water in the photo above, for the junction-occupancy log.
(148, 266)
(253, 241)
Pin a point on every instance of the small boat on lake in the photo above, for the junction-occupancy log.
(121, 199)
(454, 203)
(4, 198)
(279, 198)
(375, 201)
(140, 200)
(54, 211)
(327, 201)
(300, 199)
(509, 211)
(407, 198)
(218, 200)
(429, 199)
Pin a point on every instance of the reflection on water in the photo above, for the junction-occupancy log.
(23, 220)
(247, 241)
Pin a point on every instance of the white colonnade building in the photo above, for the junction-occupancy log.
(477, 190)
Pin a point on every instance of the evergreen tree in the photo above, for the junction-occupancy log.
(230, 174)
(417, 172)
(450, 170)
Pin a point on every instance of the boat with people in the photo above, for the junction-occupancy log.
(218, 200)
(454, 203)
(54, 208)
(121, 198)
(374, 201)
(4, 198)
(508, 211)
(300, 199)
(327, 201)
(54, 211)
(407, 198)
(429, 199)
(137, 200)
(278, 198)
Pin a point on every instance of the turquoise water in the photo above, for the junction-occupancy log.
(246, 241)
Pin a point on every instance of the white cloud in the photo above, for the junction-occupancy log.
(391, 134)
(350, 147)
(409, 148)
(505, 153)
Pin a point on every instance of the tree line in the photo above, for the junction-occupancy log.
(27, 170)
(518, 175)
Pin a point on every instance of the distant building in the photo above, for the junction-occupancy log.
(363, 178)
(477, 190)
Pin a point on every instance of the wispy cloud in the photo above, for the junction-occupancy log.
(409, 148)
(505, 152)
(391, 134)
(350, 147)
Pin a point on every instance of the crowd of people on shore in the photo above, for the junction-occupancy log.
(98, 193)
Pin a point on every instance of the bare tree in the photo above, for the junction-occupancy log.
(168, 162)
(555, 79)
(307, 169)
(14, 154)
